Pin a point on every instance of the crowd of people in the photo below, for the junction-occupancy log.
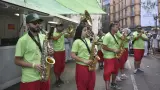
(112, 49)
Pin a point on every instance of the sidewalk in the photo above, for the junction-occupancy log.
(157, 56)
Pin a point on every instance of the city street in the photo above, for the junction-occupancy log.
(149, 80)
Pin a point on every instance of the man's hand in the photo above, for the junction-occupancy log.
(50, 51)
(38, 67)
(87, 61)
(116, 50)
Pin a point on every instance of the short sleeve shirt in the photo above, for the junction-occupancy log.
(30, 52)
(138, 44)
(110, 42)
(81, 50)
(58, 45)
(100, 39)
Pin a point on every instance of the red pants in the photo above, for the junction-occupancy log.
(59, 65)
(36, 85)
(85, 79)
(123, 58)
(138, 54)
(100, 54)
(111, 66)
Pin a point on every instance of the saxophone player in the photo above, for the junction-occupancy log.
(28, 55)
(59, 51)
(125, 32)
(139, 39)
(110, 49)
(85, 79)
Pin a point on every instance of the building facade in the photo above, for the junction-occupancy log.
(127, 12)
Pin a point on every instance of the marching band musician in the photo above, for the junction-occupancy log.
(99, 44)
(85, 79)
(59, 51)
(110, 49)
(139, 39)
(126, 32)
(28, 56)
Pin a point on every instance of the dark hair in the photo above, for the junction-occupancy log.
(78, 32)
(111, 25)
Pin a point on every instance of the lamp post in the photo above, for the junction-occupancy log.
(155, 18)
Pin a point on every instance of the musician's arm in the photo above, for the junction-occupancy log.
(20, 62)
(144, 37)
(104, 47)
(19, 52)
(57, 37)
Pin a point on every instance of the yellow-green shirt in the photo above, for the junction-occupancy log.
(28, 49)
(126, 43)
(81, 50)
(138, 44)
(100, 40)
(109, 41)
(58, 45)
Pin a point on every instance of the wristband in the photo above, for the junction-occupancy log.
(33, 65)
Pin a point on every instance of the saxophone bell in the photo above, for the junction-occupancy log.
(50, 60)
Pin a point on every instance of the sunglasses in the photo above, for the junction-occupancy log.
(35, 22)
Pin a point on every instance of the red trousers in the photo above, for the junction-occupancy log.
(85, 79)
(138, 54)
(36, 85)
(123, 58)
(100, 54)
(59, 65)
(111, 66)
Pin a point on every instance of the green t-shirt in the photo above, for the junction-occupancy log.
(138, 44)
(111, 43)
(30, 52)
(100, 40)
(81, 50)
(126, 43)
(58, 45)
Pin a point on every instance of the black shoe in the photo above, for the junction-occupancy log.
(57, 84)
(61, 81)
(115, 86)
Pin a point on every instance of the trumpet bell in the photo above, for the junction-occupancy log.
(50, 60)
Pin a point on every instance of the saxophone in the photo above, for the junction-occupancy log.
(46, 60)
(122, 49)
(93, 56)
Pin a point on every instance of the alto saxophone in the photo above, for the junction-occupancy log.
(122, 49)
(46, 60)
(93, 56)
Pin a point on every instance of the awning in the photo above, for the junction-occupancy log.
(79, 6)
(50, 7)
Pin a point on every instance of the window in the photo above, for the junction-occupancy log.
(132, 21)
(132, 10)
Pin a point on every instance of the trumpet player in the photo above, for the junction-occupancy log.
(110, 49)
(28, 55)
(85, 79)
(139, 39)
(59, 51)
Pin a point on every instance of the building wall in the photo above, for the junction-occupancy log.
(127, 12)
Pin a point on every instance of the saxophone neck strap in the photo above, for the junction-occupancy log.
(85, 42)
(37, 42)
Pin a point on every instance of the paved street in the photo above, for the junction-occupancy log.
(149, 80)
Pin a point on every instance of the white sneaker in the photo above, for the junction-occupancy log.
(118, 79)
(135, 71)
(124, 76)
